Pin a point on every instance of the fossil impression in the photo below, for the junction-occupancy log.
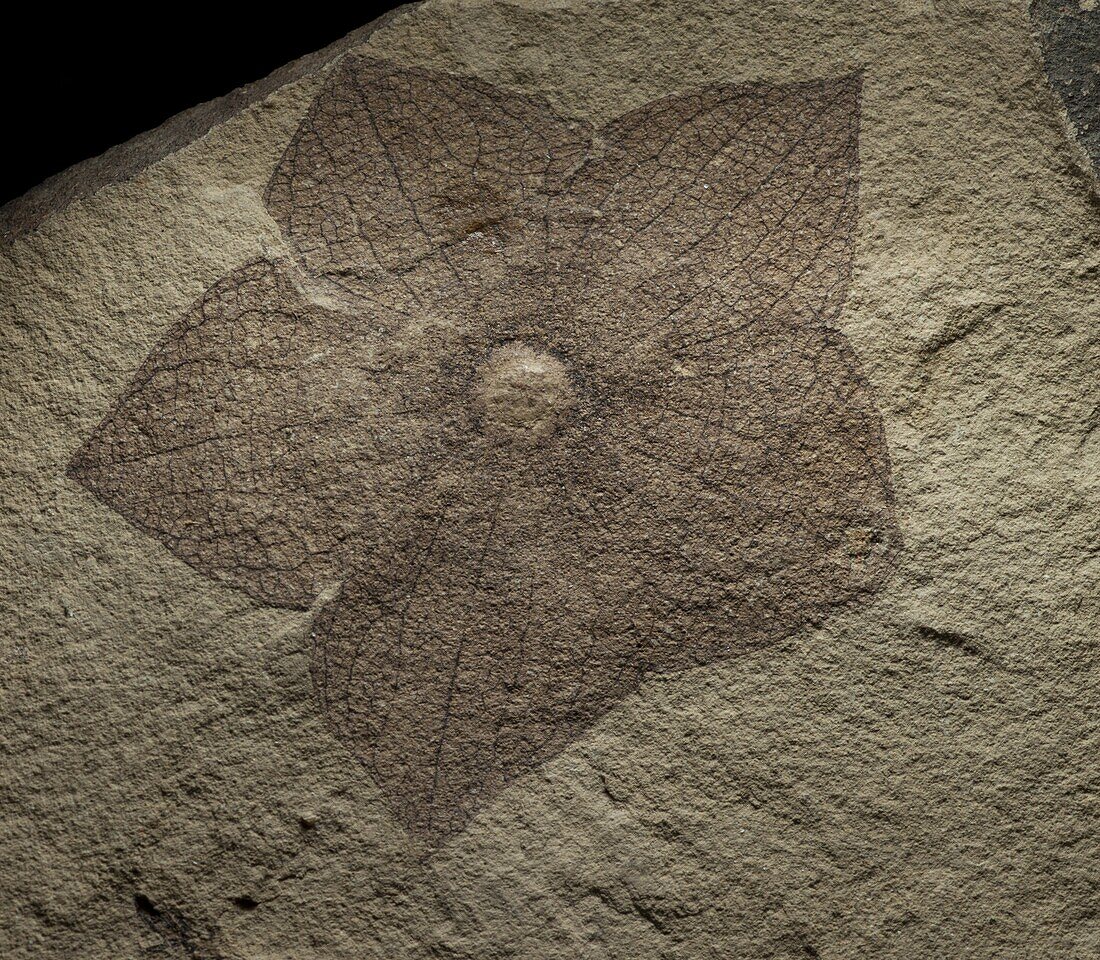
(532, 409)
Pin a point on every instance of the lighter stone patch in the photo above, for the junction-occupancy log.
(522, 394)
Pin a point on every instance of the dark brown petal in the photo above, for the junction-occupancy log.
(418, 176)
(709, 211)
(760, 498)
(258, 440)
(472, 652)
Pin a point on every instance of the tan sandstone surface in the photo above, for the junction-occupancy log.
(897, 755)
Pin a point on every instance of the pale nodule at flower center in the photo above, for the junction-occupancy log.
(522, 394)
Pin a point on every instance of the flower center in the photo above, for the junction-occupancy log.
(522, 394)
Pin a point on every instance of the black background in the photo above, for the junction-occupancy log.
(77, 83)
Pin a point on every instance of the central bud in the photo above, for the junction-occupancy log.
(522, 394)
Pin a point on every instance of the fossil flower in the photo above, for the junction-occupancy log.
(531, 410)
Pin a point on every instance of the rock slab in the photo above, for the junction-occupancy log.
(544, 479)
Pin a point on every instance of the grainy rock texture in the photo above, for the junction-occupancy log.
(686, 547)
